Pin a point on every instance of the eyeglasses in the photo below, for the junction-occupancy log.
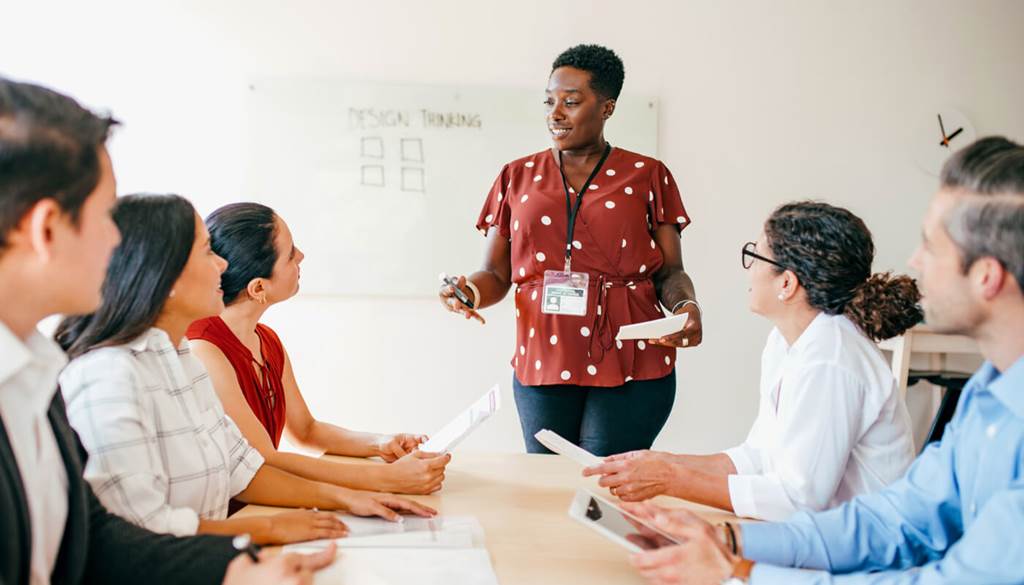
(748, 255)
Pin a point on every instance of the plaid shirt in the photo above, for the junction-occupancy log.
(162, 452)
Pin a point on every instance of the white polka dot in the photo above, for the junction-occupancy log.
(532, 331)
(668, 361)
(641, 345)
(517, 362)
(571, 190)
(599, 309)
(522, 350)
(680, 219)
(541, 257)
(609, 204)
(593, 187)
(661, 212)
(592, 370)
(536, 365)
(653, 245)
(537, 178)
(545, 220)
(643, 268)
(517, 313)
(629, 378)
(631, 286)
(666, 179)
(639, 164)
(650, 196)
(618, 343)
(489, 217)
(585, 331)
(554, 340)
(501, 196)
(576, 244)
(525, 197)
(610, 172)
(533, 296)
(629, 190)
(515, 225)
(566, 374)
(522, 272)
(529, 164)
(623, 242)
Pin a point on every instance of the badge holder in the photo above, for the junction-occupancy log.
(565, 292)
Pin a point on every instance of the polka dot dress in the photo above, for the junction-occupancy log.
(613, 243)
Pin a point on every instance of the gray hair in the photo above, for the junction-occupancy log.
(989, 221)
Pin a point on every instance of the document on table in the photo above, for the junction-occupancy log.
(412, 532)
(653, 329)
(461, 426)
(562, 446)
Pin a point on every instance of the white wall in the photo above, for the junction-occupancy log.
(760, 103)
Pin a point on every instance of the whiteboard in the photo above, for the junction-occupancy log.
(381, 184)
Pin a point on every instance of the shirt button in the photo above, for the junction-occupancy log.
(991, 431)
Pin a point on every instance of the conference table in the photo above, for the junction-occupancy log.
(521, 501)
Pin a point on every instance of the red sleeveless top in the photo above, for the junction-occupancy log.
(261, 384)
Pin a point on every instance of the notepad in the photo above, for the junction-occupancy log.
(562, 446)
(653, 329)
(461, 426)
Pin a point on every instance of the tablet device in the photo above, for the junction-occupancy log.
(562, 446)
(616, 524)
(462, 425)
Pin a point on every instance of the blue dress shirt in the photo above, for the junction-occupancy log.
(956, 517)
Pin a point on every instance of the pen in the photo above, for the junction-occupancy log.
(454, 283)
(243, 543)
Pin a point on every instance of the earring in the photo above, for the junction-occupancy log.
(781, 296)
(172, 294)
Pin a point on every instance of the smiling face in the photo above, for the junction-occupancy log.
(949, 303)
(575, 112)
(197, 293)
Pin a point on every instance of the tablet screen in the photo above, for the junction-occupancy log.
(625, 526)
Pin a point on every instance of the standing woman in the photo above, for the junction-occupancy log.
(588, 234)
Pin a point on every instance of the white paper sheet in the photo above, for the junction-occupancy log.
(437, 532)
(562, 446)
(653, 329)
(369, 566)
(461, 426)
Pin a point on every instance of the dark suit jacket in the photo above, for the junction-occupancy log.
(98, 547)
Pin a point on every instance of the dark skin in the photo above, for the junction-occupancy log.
(576, 116)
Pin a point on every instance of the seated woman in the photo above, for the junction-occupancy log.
(831, 423)
(162, 452)
(253, 375)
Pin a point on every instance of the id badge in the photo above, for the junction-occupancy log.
(565, 293)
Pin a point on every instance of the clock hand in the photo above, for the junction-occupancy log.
(953, 135)
(945, 139)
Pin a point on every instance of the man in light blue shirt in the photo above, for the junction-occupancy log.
(958, 514)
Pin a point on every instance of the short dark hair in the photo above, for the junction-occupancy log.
(49, 148)
(831, 250)
(157, 233)
(605, 67)
(991, 222)
(243, 235)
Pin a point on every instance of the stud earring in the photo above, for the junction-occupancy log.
(172, 294)
(781, 296)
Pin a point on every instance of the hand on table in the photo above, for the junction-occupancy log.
(418, 473)
(387, 506)
(700, 559)
(300, 526)
(286, 569)
(637, 475)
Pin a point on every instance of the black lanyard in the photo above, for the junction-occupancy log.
(572, 212)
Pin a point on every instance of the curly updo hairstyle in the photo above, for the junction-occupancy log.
(830, 250)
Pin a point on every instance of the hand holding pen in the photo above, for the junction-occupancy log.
(454, 297)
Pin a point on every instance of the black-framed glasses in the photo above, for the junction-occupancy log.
(748, 255)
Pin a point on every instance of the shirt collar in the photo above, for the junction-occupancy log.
(38, 351)
(154, 338)
(809, 334)
(1007, 387)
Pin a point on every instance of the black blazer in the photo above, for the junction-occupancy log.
(98, 547)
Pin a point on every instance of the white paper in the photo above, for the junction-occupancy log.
(461, 426)
(653, 329)
(562, 446)
(437, 532)
(370, 566)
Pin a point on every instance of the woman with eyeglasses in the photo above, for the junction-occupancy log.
(832, 423)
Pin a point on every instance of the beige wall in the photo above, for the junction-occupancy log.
(761, 102)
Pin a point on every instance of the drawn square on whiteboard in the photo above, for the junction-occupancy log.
(372, 175)
(412, 180)
(372, 147)
(412, 150)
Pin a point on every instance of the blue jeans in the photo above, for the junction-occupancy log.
(603, 421)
